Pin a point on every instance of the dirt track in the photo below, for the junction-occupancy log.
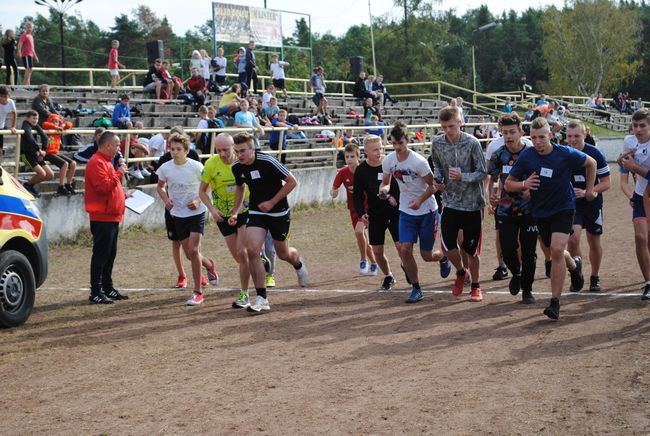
(327, 361)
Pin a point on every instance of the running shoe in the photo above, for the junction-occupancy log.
(70, 188)
(445, 267)
(61, 191)
(270, 281)
(388, 283)
(457, 288)
(415, 296)
(114, 294)
(594, 284)
(242, 301)
(475, 295)
(373, 269)
(515, 284)
(259, 304)
(500, 273)
(405, 275)
(303, 274)
(196, 299)
(213, 277)
(553, 309)
(99, 298)
(646, 293)
(577, 279)
(204, 281)
(547, 268)
(181, 282)
(527, 297)
(364, 268)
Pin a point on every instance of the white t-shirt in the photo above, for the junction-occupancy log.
(408, 174)
(157, 142)
(277, 69)
(183, 183)
(203, 124)
(222, 63)
(6, 109)
(266, 98)
(205, 72)
(641, 157)
(498, 143)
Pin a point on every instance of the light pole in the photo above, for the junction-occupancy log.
(60, 6)
(483, 28)
(372, 42)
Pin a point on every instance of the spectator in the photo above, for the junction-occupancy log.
(461, 109)
(277, 73)
(43, 104)
(139, 149)
(638, 104)
(219, 67)
(67, 166)
(378, 85)
(318, 85)
(479, 132)
(322, 114)
(274, 136)
(251, 67)
(114, 64)
(272, 110)
(27, 52)
(240, 61)
(9, 48)
(268, 93)
(196, 61)
(529, 112)
(7, 106)
(370, 109)
(507, 106)
(173, 83)
(600, 103)
(374, 122)
(523, 85)
(230, 101)
(84, 154)
(32, 153)
(122, 113)
(245, 118)
(376, 98)
(541, 101)
(208, 121)
(205, 65)
(359, 90)
(154, 80)
(591, 102)
(195, 85)
(158, 143)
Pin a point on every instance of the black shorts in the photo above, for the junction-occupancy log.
(278, 226)
(278, 83)
(559, 223)
(589, 218)
(187, 225)
(28, 62)
(377, 225)
(227, 230)
(470, 222)
(220, 79)
(58, 159)
(170, 226)
(30, 160)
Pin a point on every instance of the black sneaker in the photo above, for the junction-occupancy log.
(515, 284)
(553, 309)
(70, 188)
(114, 294)
(594, 284)
(100, 298)
(547, 268)
(61, 191)
(527, 297)
(31, 189)
(500, 273)
(577, 279)
(646, 293)
(388, 283)
(405, 275)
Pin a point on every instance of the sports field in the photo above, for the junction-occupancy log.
(336, 358)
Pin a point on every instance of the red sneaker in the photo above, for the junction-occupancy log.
(457, 288)
(181, 282)
(476, 295)
(204, 281)
(195, 300)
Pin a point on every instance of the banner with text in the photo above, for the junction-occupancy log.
(239, 24)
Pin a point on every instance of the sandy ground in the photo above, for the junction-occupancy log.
(336, 358)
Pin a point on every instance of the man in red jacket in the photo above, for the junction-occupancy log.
(105, 205)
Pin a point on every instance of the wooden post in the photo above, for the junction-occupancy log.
(90, 77)
(280, 142)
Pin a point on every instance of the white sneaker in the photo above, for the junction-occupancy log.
(303, 274)
(259, 304)
(364, 268)
(195, 300)
(373, 269)
(136, 173)
(145, 172)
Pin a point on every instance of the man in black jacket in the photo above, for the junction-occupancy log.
(251, 67)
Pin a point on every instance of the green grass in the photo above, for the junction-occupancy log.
(602, 132)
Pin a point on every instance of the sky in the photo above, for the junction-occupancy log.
(336, 17)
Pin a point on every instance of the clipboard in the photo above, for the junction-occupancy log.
(139, 201)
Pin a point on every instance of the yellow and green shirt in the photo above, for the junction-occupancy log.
(222, 182)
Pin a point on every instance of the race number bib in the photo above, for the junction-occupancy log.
(255, 174)
(579, 178)
(546, 172)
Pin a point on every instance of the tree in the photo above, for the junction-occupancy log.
(590, 46)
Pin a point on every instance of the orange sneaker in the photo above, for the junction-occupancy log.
(476, 295)
(457, 288)
(204, 281)
(181, 282)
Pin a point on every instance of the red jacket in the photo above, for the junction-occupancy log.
(104, 192)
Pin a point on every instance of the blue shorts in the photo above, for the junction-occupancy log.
(638, 212)
(423, 226)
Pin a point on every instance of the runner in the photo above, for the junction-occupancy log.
(269, 183)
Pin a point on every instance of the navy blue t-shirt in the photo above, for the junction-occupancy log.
(555, 170)
(579, 180)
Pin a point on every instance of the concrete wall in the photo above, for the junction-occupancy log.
(65, 216)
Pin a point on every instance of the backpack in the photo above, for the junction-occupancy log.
(102, 122)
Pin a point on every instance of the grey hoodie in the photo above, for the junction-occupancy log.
(466, 194)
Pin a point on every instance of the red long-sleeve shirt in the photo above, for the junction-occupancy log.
(104, 193)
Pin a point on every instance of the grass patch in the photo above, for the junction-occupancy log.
(602, 132)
